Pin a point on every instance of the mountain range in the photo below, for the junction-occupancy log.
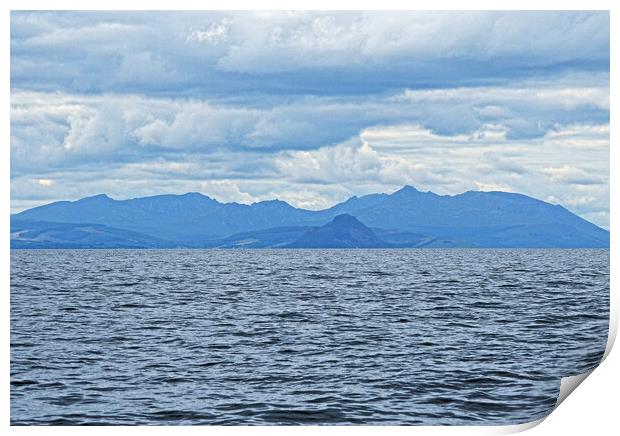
(405, 218)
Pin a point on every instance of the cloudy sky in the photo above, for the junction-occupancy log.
(310, 108)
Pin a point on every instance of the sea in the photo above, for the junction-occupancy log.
(301, 337)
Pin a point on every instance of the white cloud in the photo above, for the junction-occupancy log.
(573, 175)
(348, 161)
(61, 128)
(293, 41)
(406, 135)
(215, 34)
(228, 190)
(566, 97)
(102, 33)
(580, 136)
(482, 186)
(307, 197)
(287, 42)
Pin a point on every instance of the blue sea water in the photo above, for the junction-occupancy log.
(402, 337)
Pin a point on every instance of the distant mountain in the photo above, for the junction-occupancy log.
(405, 218)
(43, 234)
(277, 237)
(190, 218)
(344, 231)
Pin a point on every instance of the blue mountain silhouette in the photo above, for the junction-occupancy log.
(344, 231)
(405, 218)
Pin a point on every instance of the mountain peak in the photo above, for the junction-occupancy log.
(407, 189)
(274, 202)
(346, 220)
(98, 197)
(197, 196)
(343, 231)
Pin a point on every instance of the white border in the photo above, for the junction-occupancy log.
(592, 408)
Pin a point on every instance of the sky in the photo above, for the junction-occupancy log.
(310, 107)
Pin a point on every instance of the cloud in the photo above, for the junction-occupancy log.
(287, 42)
(566, 97)
(298, 51)
(54, 128)
(216, 33)
(574, 176)
(482, 186)
(193, 124)
(329, 164)
(227, 189)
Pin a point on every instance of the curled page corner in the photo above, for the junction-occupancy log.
(569, 384)
(518, 428)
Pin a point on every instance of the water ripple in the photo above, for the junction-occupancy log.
(402, 337)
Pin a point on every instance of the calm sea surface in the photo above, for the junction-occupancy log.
(301, 336)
